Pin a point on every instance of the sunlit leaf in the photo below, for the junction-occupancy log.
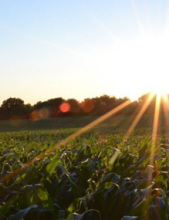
(52, 165)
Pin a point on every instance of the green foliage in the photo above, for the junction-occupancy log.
(80, 180)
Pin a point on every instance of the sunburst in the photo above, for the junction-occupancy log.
(150, 55)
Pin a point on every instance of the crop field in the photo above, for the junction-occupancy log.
(114, 122)
(98, 175)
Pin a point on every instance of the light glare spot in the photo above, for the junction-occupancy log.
(34, 116)
(44, 113)
(64, 107)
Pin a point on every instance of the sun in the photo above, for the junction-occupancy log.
(156, 64)
(145, 65)
(160, 92)
(159, 84)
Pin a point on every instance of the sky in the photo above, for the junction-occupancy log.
(82, 48)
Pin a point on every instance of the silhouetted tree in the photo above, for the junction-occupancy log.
(12, 102)
(13, 108)
(74, 106)
(87, 106)
(52, 105)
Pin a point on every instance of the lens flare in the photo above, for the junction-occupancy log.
(34, 116)
(87, 105)
(65, 107)
(44, 113)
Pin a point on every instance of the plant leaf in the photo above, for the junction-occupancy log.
(19, 215)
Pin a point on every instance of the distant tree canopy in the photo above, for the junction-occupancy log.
(12, 103)
(14, 108)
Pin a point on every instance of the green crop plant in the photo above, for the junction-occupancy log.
(78, 181)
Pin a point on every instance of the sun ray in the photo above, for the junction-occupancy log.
(69, 138)
(165, 102)
(165, 117)
(138, 117)
(92, 124)
(154, 133)
(150, 167)
(165, 98)
(131, 128)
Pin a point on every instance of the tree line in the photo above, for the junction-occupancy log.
(15, 108)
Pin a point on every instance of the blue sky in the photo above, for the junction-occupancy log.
(79, 49)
